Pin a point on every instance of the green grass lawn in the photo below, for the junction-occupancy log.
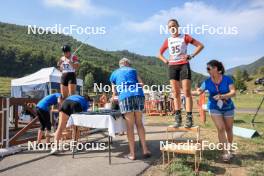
(248, 160)
(5, 84)
(250, 152)
(248, 100)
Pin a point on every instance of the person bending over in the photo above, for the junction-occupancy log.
(71, 105)
(43, 113)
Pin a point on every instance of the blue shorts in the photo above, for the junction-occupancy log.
(225, 114)
(131, 104)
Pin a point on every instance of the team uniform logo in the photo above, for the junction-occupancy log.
(66, 66)
(177, 48)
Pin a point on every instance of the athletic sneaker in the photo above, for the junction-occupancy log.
(178, 121)
(189, 121)
(226, 157)
(54, 151)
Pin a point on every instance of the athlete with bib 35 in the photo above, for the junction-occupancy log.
(179, 68)
(68, 65)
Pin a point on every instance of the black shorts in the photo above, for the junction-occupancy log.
(44, 119)
(68, 78)
(180, 72)
(70, 107)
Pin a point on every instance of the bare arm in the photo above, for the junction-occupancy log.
(162, 58)
(76, 66)
(163, 48)
(199, 47)
(228, 95)
(59, 64)
(140, 81)
(197, 92)
(113, 90)
(231, 93)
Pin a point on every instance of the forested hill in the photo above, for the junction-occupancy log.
(22, 54)
(251, 68)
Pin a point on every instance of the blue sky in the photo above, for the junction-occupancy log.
(134, 25)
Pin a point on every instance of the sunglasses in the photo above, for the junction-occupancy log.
(172, 26)
(209, 68)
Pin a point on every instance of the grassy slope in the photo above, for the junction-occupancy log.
(251, 84)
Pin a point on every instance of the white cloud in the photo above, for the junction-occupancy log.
(248, 20)
(81, 6)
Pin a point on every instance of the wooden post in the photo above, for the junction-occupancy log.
(1, 123)
(15, 115)
(6, 121)
(163, 157)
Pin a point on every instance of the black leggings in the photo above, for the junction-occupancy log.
(44, 119)
(70, 107)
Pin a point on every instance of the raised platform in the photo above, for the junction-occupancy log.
(178, 145)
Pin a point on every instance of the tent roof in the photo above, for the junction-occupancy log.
(42, 76)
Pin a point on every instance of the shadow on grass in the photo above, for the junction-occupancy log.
(239, 121)
(216, 156)
(257, 156)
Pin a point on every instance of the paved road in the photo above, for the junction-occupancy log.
(89, 163)
(250, 110)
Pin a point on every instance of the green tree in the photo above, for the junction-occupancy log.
(88, 82)
(239, 81)
(245, 75)
(261, 70)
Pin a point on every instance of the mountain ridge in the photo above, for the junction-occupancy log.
(22, 54)
(251, 68)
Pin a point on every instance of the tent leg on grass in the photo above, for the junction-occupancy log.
(254, 117)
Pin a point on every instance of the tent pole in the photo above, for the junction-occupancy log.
(49, 88)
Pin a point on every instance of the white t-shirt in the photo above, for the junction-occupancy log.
(65, 63)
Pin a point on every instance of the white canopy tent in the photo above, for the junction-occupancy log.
(40, 84)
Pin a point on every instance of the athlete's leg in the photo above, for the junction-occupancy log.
(186, 87)
(141, 131)
(220, 126)
(130, 121)
(63, 118)
(71, 89)
(229, 128)
(40, 134)
(176, 92)
(64, 91)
